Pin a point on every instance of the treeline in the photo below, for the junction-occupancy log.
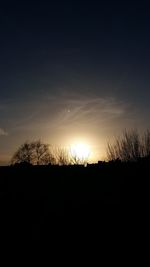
(129, 147)
(38, 153)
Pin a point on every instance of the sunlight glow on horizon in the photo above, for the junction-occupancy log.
(81, 151)
(83, 147)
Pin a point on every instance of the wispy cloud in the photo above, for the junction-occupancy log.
(62, 110)
(89, 110)
(3, 132)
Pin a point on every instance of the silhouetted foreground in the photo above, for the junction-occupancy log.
(38, 202)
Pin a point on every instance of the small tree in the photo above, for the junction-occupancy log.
(36, 153)
(61, 156)
(64, 156)
(75, 160)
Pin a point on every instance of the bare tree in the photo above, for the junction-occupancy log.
(36, 153)
(146, 144)
(23, 154)
(61, 156)
(129, 147)
(74, 159)
(41, 153)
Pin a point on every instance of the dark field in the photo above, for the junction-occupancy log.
(39, 202)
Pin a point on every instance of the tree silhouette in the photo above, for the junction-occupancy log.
(130, 146)
(64, 156)
(74, 159)
(36, 153)
(61, 156)
(23, 154)
(146, 144)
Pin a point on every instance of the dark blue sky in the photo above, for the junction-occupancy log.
(72, 70)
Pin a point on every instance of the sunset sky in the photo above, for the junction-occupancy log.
(73, 71)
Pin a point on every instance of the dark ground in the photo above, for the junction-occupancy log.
(45, 203)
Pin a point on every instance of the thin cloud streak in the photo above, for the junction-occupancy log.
(3, 132)
(56, 112)
(91, 110)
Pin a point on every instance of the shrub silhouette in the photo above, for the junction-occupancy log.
(61, 156)
(130, 146)
(36, 153)
(146, 144)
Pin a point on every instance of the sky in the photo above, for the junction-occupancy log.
(73, 71)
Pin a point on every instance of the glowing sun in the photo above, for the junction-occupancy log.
(80, 151)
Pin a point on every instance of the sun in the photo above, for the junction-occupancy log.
(80, 151)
